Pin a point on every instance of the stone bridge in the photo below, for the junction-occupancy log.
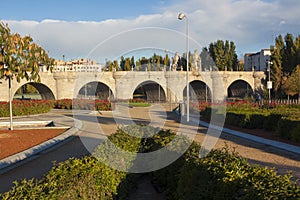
(167, 86)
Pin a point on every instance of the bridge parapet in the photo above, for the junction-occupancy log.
(78, 68)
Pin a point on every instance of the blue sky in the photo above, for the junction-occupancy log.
(90, 10)
(108, 29)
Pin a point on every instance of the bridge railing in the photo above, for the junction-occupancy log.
(283, 101)
(78, 68)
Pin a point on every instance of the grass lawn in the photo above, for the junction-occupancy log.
(139, 104)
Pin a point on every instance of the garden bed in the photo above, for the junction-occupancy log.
(15, 141)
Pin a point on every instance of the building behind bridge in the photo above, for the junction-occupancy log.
(257, 61)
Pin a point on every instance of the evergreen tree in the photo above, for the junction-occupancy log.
(276, 67)
(122, 63)
(115, 65)
(285, 57)
(166, 61)
(127, 65)
(224, 55)
(132, 63)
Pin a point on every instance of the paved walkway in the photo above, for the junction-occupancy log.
(104, 123)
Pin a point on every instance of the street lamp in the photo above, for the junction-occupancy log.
(181, 16)
(8, 75)
(269, 83)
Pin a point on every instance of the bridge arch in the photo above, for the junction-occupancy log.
(239, 89)
(43, 90)
(199, 91)
(97, 90)
(150, 91)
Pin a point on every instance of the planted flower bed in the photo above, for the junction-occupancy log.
(30, 107)
(26, 107)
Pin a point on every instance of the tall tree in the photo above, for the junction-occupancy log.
(127, 65)
(224, 55)
(276, 58)
(166, 61)
(122, 63)
(285, 57)
(115, 65)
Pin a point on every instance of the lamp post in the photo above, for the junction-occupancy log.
(181, 16)
(9, 75)
(269, 83)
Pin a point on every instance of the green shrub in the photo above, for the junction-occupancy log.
(289, 129)
(224, 175)
(271, 122)
(84, 178)
(284, 120)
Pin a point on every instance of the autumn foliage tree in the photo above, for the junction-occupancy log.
(20, 57)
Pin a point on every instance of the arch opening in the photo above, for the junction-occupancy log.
(199, 91)
(240, 89)
(95, 90)
(150, 91)
(34, 91)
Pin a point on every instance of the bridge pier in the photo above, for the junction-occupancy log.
(65, 84)
(219, 89)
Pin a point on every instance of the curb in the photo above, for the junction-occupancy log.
(276, 144)
(12, 161)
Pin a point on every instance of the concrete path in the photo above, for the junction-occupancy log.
(104, 123)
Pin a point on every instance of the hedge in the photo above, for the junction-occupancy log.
(283, 120)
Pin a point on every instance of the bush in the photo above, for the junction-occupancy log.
(26, 107)
(84, 178)
(224, 175)
(245, 120)
(288, 129)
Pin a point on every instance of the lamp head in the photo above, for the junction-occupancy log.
(181, 16)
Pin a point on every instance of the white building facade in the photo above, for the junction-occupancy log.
(257, 61)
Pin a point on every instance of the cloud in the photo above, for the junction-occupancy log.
(252, 25)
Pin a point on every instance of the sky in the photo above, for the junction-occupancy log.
(105, 30)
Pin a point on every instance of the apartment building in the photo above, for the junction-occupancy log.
(257, 61)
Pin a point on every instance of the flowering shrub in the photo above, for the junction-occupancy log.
(89, 104)
(83, 104)
(25, 107)
(31, 107)
(63, 104)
